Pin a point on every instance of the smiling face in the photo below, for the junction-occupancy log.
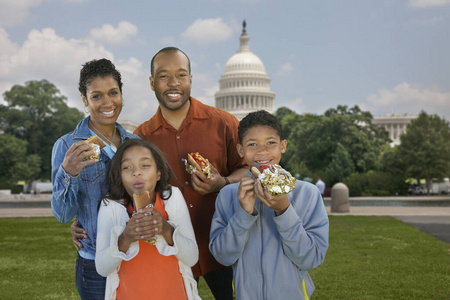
(172, 81)
(261, 146)
(104, 100)
(139, 171)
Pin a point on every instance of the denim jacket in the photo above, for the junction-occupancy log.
(79, 195)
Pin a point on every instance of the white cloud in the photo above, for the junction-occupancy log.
(427, 3)
(45, 55)
(107, 34)
(207, 31)
(286, 68)
(15, 12)
(409, 99)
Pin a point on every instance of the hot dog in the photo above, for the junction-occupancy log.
(141, 200)
(195, 160)
(277, 180)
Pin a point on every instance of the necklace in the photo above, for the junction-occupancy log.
(113, 146)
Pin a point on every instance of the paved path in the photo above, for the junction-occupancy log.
(434, 220)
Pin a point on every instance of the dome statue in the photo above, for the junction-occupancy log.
(244, 86)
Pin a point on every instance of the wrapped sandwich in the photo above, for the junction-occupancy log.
(196, 161)
(96, 144)
(142, 200)
(277, 180)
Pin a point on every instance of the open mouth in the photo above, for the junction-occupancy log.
(108, 113)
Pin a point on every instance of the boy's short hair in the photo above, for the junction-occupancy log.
(258, 118)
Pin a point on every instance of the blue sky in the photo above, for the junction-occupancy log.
(387, 56)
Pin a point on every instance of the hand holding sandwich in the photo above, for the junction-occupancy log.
(204, 185)
(82, 154)
(278, 203)
(145, 225)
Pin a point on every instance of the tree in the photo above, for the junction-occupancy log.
(38, 114)
(318, 142)
(425, 148)
(14, 162)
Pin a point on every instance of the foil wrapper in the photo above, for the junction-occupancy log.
(96, 149)
(277, 180)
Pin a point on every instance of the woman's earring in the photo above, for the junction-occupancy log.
(86, 109)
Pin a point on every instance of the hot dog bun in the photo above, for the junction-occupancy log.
(193, 162)
(255, 172)
(141, 200)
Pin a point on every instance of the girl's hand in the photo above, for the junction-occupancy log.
(74, 161)
(158, 225)
(279, 203)
(137, 228)
(246, 194)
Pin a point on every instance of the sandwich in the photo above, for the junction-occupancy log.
(277, 180)
(142, 200)
(96, 144)
(196, 161)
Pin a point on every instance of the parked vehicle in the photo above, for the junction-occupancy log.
(440, 187)
(417, 190)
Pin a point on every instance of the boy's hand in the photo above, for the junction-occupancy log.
(279, 203)
(246, 194)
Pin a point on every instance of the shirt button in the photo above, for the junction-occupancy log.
(65, 179)
(191, 205)
(187, 182)
(178, 137)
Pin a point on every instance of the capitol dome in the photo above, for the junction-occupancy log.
(244, 85)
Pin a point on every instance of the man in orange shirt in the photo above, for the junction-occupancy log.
(184, 125)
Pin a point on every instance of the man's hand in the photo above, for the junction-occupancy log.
(279, 203)
(204, 185)
(77, 233)
(246, 194)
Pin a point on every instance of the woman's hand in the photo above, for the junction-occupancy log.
(74, 161)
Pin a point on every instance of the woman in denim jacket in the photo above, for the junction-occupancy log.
(80, 183)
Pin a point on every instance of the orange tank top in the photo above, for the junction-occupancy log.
(150, 275)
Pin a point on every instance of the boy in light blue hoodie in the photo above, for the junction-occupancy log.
(271, 242)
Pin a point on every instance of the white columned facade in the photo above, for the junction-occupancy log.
(244, 86)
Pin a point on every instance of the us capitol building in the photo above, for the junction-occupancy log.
(244, 86)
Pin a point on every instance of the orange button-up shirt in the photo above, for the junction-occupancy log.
(213, 133)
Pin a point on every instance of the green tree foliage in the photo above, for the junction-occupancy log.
(38, 113)
(340, 142)
(425, 148)
(14, 162)
(341, 164)
(376, 183)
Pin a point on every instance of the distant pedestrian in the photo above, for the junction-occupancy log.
(321, 185)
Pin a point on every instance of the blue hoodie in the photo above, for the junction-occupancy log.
(270, 254)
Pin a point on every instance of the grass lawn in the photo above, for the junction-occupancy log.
(368, 258)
